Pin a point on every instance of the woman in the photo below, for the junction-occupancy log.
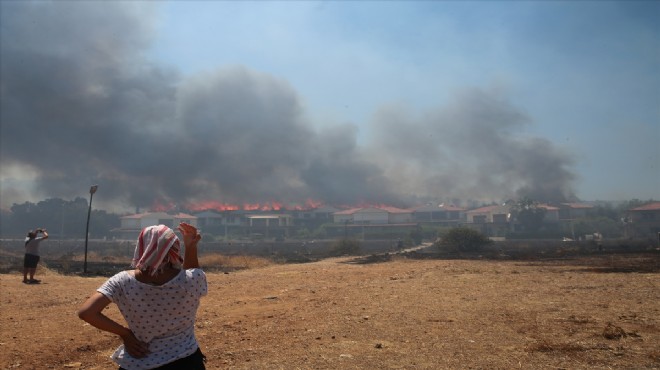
(158, 300)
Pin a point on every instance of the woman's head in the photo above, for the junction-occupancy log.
(156, 247)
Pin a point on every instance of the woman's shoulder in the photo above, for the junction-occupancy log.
(123, 275)
(196, 281)
(127, 273)
(116, 283)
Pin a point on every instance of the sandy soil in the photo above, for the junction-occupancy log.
(595, 313)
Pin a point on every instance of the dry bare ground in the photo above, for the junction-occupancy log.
(590, 313)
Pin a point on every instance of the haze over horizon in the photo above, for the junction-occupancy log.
(338, 103)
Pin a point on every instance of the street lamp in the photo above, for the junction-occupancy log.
(92, 190)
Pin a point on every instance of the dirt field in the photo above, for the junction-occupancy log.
(596, 313)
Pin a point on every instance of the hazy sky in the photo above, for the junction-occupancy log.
(339, 102)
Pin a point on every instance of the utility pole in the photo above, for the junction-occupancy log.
(92, 190)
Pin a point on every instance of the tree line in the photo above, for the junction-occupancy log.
(65, 219)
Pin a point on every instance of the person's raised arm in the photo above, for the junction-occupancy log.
(190, 240)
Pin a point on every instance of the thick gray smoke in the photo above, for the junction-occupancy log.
(82, 104)
(471, 149)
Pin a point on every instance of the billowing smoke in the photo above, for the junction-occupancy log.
(82, 104)
(471, 149)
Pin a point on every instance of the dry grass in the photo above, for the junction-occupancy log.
(215, 261)
(67, 264)
(384, 314)
(96, 257)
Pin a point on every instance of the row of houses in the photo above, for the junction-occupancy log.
(493, 220)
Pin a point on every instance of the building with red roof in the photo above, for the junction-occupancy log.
(574, 211)
(445, 215)
(644, 221)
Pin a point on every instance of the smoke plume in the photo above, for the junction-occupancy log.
(471, 149)
(82, 104)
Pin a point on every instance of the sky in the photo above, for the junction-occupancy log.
(224, 103)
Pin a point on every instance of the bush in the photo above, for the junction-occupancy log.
(463, 239)
(233, 262)
(345, 247)
(416, 236)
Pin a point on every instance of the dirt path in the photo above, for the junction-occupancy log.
(401, 314)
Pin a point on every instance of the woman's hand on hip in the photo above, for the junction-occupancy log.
(134, 346)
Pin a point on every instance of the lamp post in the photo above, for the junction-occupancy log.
(92, 190)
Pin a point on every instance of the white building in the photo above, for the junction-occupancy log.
(373, 216)
(131, 225)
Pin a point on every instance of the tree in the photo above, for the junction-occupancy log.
(62, 219)
(529, 214)
(345, 247)
(633, 203)
(603, 225)
(102, 223)
(463, 239)
(416, 235)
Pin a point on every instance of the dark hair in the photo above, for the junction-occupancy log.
(31, 235)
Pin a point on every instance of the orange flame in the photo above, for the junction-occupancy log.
(160, 205)
(212, 204)
(266, 206)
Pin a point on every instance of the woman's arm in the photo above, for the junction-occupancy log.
(190, 260)
(190, 239)
(92, 312)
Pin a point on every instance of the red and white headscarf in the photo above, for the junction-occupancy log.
(156, 247)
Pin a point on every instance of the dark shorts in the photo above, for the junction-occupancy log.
(30, 261)
(192, 362)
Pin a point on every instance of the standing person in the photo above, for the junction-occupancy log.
(32, 257)
(158, 299)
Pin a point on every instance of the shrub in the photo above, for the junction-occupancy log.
(416, 236)
(345, 247)
(463, 239)
(233, 262)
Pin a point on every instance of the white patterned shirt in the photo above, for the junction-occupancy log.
(161, 315)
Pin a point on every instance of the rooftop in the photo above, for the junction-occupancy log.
(654, 206)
